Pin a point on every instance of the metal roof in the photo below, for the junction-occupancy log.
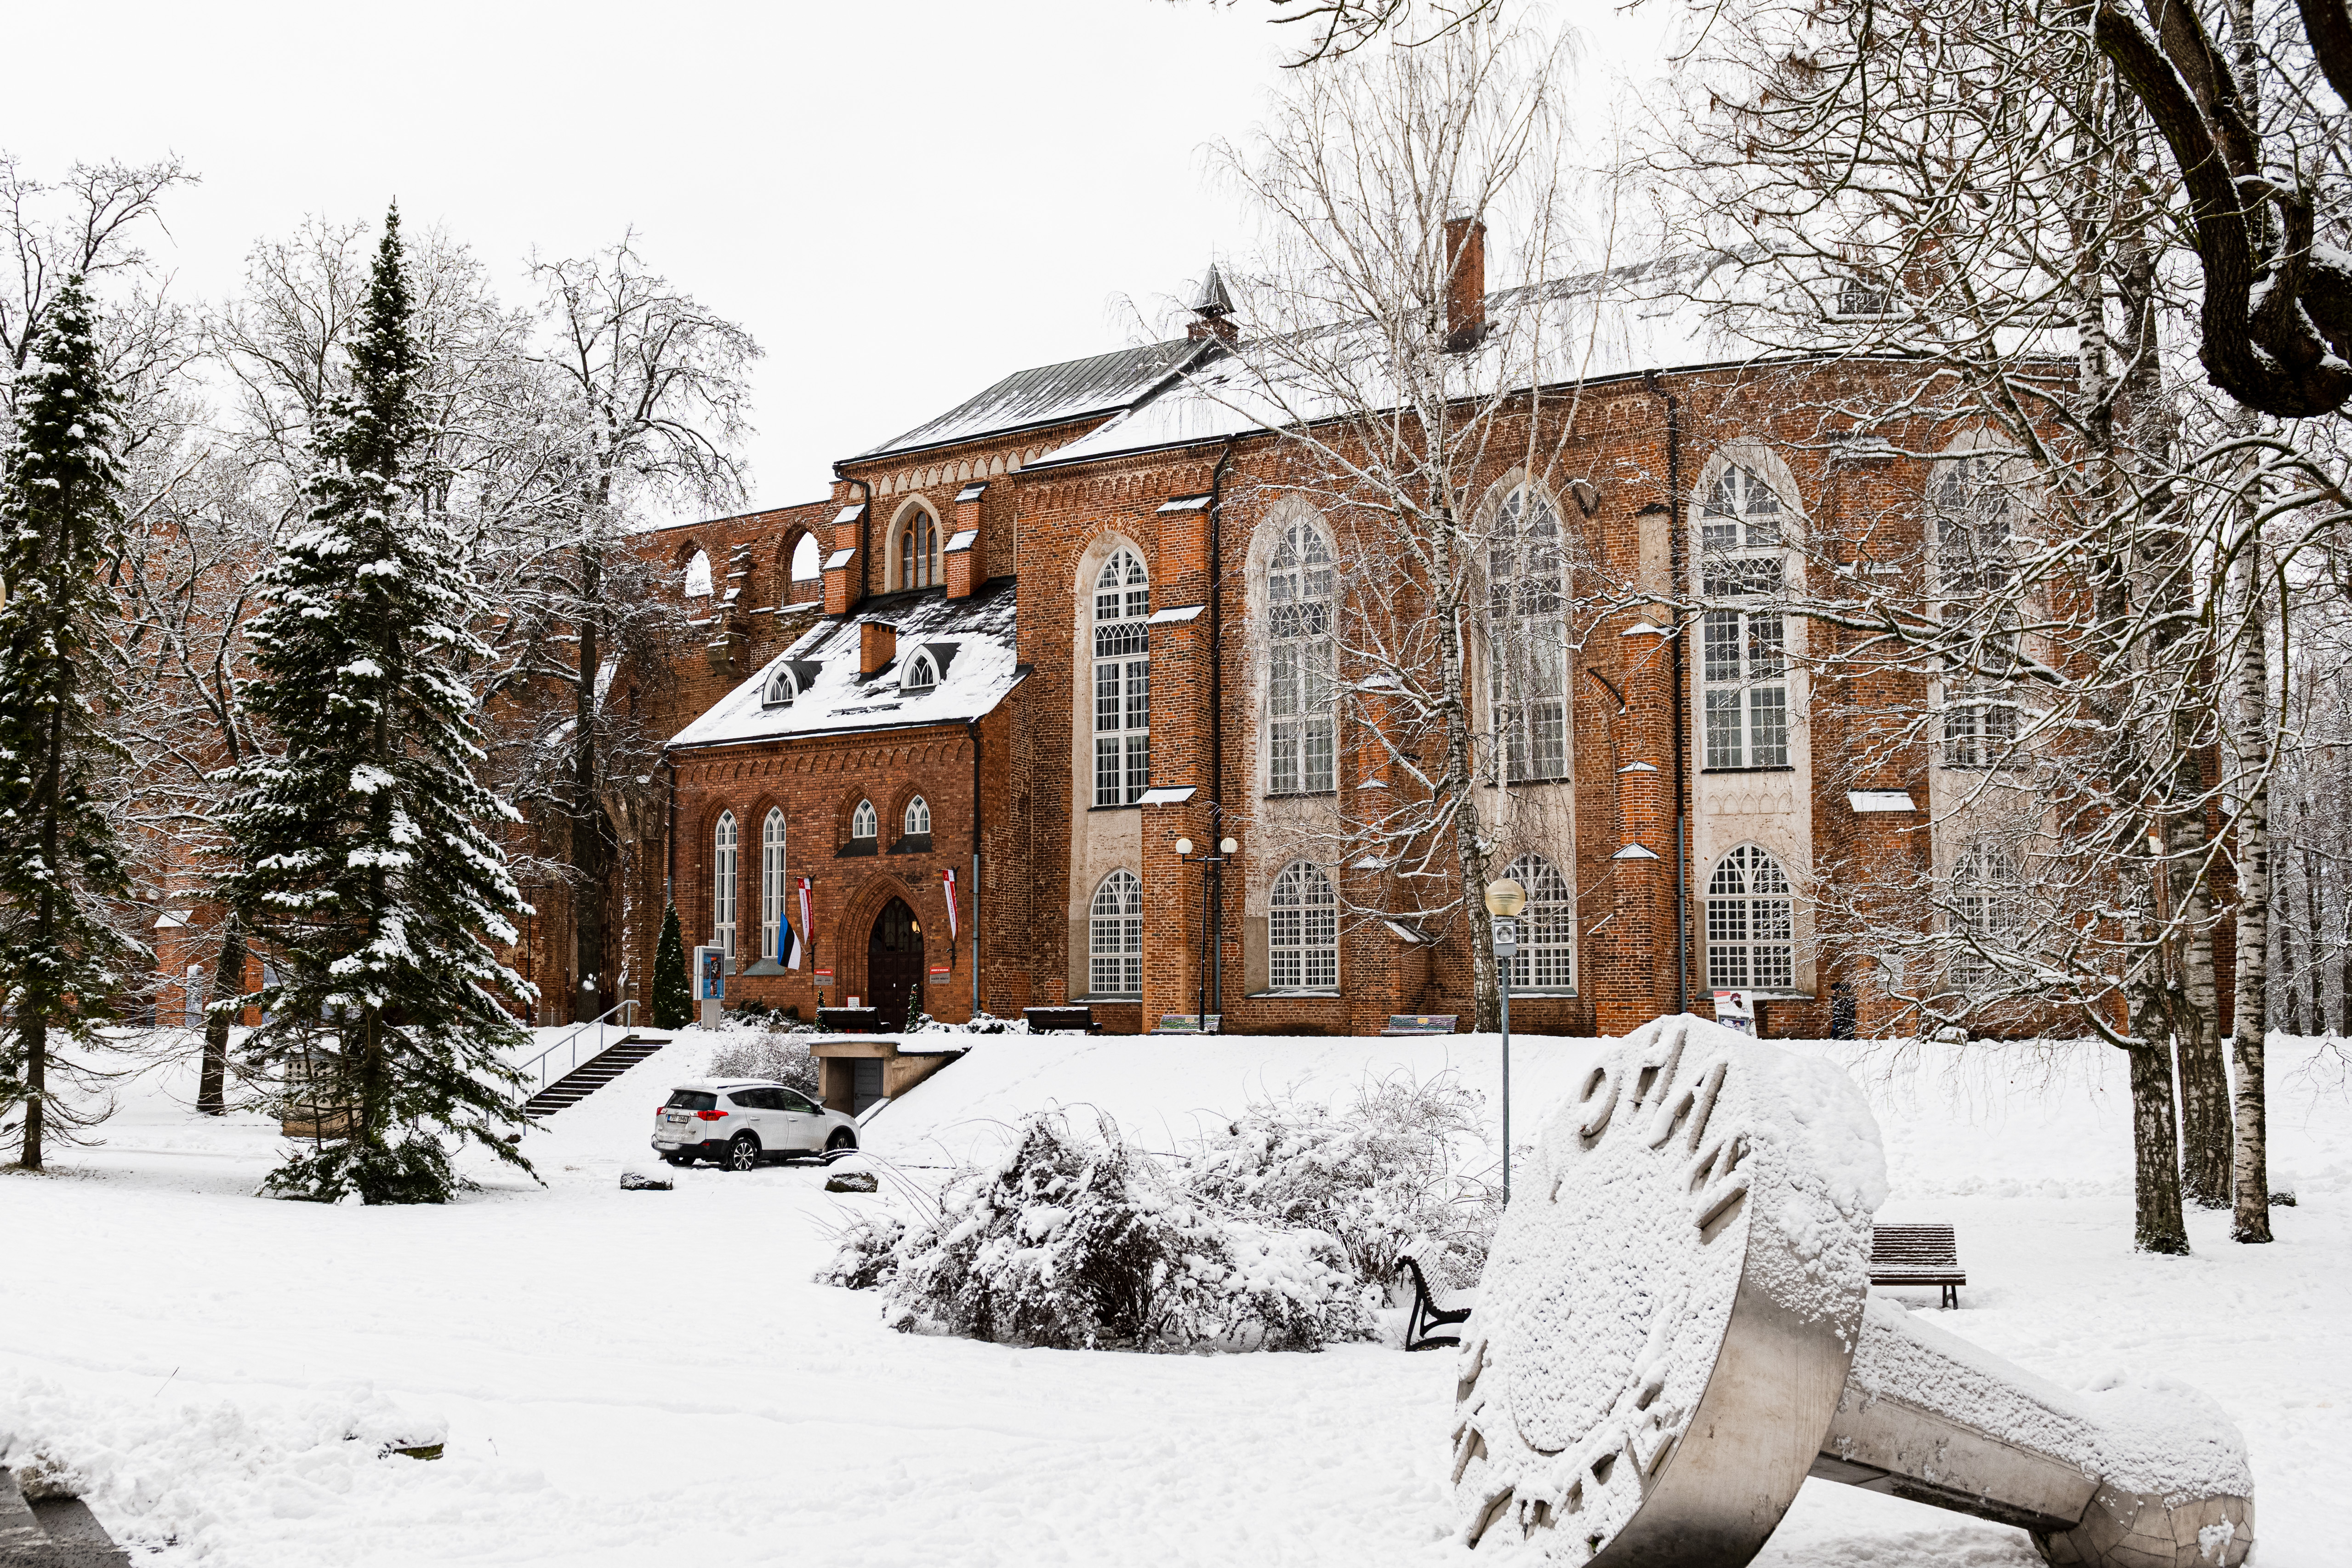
(1051, 395)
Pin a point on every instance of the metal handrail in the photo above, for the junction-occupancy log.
(597, 1024)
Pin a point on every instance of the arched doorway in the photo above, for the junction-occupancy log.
(894, 963)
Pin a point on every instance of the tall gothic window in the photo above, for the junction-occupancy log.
(919, 549)
(1302, 931)
(1546, 956)
(1985, 888)
(1745, 666)
(1115, 937)
(1751, 924)
(918, 818)
(865, 821)
(1974, 521)
(772, 882)
(697, 577)
(1301, 703)
(722, 885)
(1122, 680)
(1527, 600)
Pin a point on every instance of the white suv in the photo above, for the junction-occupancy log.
(739, 1123)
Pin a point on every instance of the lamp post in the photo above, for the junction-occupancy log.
(1505, 899)
(1213, 932)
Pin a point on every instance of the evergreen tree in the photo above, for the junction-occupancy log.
(60, 520)
(673, 998)
(364, 868)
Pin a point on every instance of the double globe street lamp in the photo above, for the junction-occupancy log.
(1505, 899)
(1213, 922)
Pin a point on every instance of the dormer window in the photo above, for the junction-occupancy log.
(918, 818)
(1862, 297)
(865, 821)
(922, 674)
(782, 688)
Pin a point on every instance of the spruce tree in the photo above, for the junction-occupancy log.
(61, 960)
(673, 998)
(363, 866)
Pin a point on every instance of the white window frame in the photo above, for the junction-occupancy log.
(773, 838)
(922, 674)
(1546, 956)
(724, 848)
(780, 682)
(1115, 936)
(1975, 515)
(1302, 699)
(865, 821)
(1527, 639)
(1302, 931)
(916, 821)
(1122, 679)
(1986, 901)
(1751, 924)
(1743, 647)
(918, 548)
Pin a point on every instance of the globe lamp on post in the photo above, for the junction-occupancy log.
(1505, 899)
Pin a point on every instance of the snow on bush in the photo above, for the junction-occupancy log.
(865, 1251)
(1384, 1176)
(778, 1055)
(1079, 1240)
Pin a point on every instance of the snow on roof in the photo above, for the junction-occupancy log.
(1595, 326)
(1051, 395)
(832, 699)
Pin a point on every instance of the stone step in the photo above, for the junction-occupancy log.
(593, 1075)
(52, 1532)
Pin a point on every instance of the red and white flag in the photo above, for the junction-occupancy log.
(801, 937)
(947, 877)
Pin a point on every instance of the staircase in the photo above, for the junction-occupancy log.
(594, 1074)
(51, 1533)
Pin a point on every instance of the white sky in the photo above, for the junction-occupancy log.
(903, 202)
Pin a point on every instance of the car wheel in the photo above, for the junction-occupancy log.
(743, 1153)
(843, 1142)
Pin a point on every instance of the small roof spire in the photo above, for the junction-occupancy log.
(1213, 301)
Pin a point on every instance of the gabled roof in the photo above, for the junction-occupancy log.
(834, 699)
(1051, 395)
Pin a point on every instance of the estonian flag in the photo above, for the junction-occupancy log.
(789, 945)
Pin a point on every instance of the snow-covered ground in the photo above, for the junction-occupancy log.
(634, 1377)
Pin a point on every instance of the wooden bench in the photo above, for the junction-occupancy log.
(1045, 1020)
(1420, 1024)
(1916, 1255)
(1427, 1315)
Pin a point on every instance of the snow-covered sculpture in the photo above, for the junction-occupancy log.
(1675, 1330)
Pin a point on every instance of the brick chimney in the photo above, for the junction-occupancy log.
(877, 644)
(1465, 284)
(966, 564)
(1212, 311)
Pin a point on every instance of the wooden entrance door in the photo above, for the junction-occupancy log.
(894, 963)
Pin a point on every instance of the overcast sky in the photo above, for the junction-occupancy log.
(902, 202)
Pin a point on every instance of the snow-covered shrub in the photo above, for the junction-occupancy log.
(978, 1024)
(1080, 1240)
(780, 1056)
(867, 1251)
(1384, 1176)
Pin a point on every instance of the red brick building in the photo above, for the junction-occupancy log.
(1020, 652)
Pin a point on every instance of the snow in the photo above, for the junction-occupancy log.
(634, 1377)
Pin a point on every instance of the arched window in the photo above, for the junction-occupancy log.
(1985, 899)
(697, 577)
(1745, 668)
(1751, 924)
(780, 688)
(808, 561)
(1527, 597)
(865, 821)
(1115, 937)
(919, 549)
(722, 885)
(1302, 931)
(922, 674)
(771, 884)
(1122, 680)
(1547, 958)
(919, 817)
(1301, 702)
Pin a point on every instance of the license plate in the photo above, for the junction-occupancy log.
(676, 1117)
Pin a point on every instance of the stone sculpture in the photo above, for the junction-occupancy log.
(1675, 1330)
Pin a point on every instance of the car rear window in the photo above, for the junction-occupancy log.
(693, 1100)
(750, 1099)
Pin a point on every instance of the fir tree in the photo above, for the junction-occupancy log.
(673, 998)
(362, 864)
(60, 520)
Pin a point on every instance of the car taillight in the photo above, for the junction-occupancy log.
(710, 1116)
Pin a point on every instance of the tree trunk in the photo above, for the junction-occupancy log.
(591, 836)
(2155, 1154)
(228, 980)
(2250, 1175)
(2314, 973)
(2204, 1079)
